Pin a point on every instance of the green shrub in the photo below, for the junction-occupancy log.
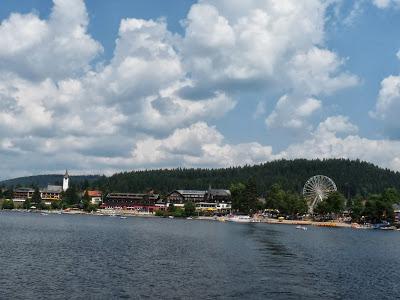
(8, 204)
(160, 213)
(179, 213)
(90, 207)
(55, 205)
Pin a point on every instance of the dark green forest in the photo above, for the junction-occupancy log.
(44, 180)
(352, 177)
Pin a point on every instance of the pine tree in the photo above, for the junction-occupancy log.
(71, 197)
(251, 196)
(238, 196)
(36, 198)
(86, 199)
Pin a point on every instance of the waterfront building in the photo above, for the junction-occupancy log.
(48, 194)
(218, 195)
(95, 197)
(51, 193)
(210, 200)
(161, 205)
(132, 201)
(396, 210)
(213, 207)
(217, 200)
(180, 197)
(21, 194)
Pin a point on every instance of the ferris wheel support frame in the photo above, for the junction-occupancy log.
(316, 189)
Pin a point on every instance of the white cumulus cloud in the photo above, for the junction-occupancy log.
(386, 3)
(387, 107)
(58, 48)
(153, 103)
(291, 112)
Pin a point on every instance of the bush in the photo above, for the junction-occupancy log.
(55, 205)
(160, 213)
(7, 204)
(27, 204)
(171, 208)
(90, 208)
(178, 213)
(42, 206)
(190, 209)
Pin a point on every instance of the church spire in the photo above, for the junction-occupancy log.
(66, 181)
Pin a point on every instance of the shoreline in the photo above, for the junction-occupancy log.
(129, 213)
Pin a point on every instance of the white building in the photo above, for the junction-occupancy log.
(65, 181)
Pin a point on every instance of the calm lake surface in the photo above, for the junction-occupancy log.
(95, 257)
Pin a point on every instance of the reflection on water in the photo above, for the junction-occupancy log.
(82, 257)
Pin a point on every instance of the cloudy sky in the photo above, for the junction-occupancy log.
(103, 86)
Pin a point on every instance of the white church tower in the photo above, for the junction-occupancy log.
(66, 181)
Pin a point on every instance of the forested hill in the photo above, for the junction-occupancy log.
(44, 180)
(351, 177)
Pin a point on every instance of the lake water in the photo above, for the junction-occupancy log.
(95, 257)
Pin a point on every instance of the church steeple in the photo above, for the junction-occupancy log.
(66, 181)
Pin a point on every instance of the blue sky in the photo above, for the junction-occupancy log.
(103, 86)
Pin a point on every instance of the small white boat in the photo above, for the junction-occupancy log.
(122, 217)
(171, 217)
(44, 214)
(240, 219)
(388, 228)
(189, 218)
(301, 227)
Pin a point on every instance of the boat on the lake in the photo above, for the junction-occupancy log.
(240, 219)
(301, 227)
(388, 228)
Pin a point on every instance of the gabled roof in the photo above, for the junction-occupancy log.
(53, 189)
(219, 192)
(191, 192)
(24, 190)
(94, 193)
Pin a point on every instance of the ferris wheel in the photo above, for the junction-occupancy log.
(317, 189)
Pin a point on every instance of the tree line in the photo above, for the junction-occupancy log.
(374, 208)
(352, 177)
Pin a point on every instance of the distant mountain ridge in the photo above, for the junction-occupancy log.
(44, 180)
(351, 177)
